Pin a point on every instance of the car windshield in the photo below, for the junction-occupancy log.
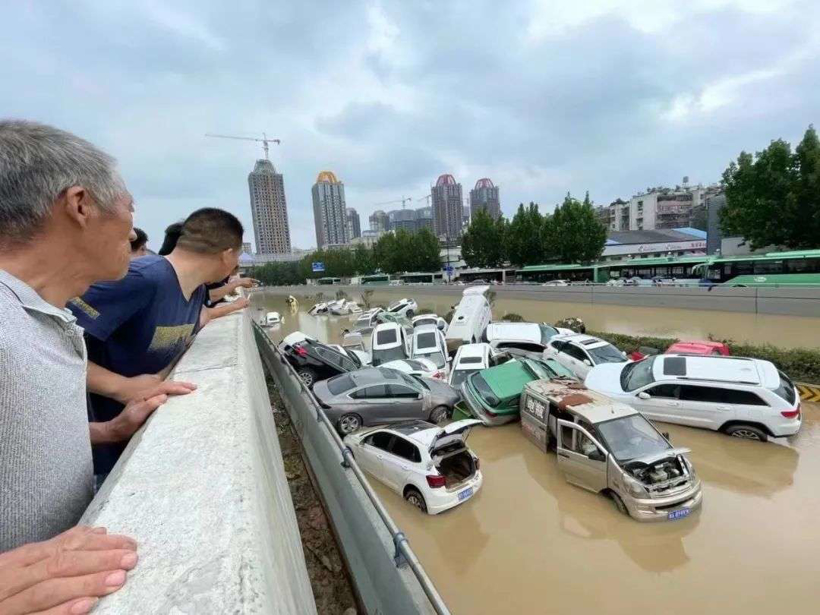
(340, 384)
(460, 375)
(786, 388)
(387, 354)
(630, 437)
(606, 354)
(637, 375)
(547, 369)
(437, 358)
(485, 391)
(547, 333)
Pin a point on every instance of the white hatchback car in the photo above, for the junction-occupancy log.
(470, 358)
(430, 466)
(430, 319)
(417, 367)
(745, 398)
(524, 335)
(580, 353)
(388, 343)
(428, 343)
(403, 307)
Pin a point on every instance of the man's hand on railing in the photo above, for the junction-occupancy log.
(139, 388)
(65, 575)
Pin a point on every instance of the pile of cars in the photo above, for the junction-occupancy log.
(399, 378)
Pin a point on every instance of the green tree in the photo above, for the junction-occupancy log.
(575, 232)
(482, 244)
(773, 197)
(363, 260)
(524, 236)
(425, 251)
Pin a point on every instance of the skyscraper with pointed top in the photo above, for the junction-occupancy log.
(269, 209)
(329, 211)
(448, 207)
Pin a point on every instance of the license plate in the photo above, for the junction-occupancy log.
(678, 514)
(463, 495)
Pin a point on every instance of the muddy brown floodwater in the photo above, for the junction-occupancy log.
(529, 542)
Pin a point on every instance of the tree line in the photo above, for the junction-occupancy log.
(571, 234)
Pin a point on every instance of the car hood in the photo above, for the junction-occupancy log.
(648, 460)
(606, 378)
(440, 389)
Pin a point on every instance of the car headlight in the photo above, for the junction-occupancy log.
(635, 488)
(690, 467)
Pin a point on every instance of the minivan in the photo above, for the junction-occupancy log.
(470, 319)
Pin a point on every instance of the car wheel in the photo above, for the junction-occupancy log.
(416, 499)
(410, 314)
(349, 423)
(747, 432)
(307, 376)
(439, 414)
(619, 503)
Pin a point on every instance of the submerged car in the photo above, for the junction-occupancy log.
(380, 396)
(580, 353)
(744, 398)
(492, 395)
(430, 319)
(389, 342)
(702, 347)
(469, 359)
(272, 318)
(605, 446)
(428, 343)
(416, 367)
(314, 361)
(429, 466)
(403, 307)
(529, 336)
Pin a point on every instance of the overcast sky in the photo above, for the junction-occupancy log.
(609, 96)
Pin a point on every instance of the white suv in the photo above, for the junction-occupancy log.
(580, 353)
(745, 398)
(430, 466)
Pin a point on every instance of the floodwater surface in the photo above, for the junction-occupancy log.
(529, 542)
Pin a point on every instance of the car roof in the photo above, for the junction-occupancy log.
(581, 339)
(526, 331)
(508, 379)
(373, 375)
(590, 405)
(473, 350)
(418, 430)
(732, 370)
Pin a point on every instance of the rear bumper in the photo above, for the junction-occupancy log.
(786, 427)
(439, 500)
(658, 509)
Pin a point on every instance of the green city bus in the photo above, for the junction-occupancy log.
(682, 269)
(328, 281)
(796, 268)
(374, 279)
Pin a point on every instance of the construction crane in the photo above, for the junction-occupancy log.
(426, 197)
(264, 140)
(402, 200)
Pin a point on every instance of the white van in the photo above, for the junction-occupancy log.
(471, 317)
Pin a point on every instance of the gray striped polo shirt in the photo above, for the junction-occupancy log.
(46, 477)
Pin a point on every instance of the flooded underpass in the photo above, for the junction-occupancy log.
(529, 542)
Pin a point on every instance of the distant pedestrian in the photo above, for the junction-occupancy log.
(138, 326)
(139, 246)
(66, 221)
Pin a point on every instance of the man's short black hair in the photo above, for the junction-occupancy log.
(140, 241)
(211, 230)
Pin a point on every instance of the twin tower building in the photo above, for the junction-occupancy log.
(336, 224)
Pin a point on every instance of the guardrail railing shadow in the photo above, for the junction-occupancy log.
(307, 415)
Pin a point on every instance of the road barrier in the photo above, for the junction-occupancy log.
(386, 572)
(808, 392)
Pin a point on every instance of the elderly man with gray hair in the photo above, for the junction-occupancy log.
(66, 219)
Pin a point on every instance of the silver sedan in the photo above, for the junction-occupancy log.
(380, 396)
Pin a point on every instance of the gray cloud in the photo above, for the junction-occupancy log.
(609, 97)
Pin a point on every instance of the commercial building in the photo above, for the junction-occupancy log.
(447, 207)
(485, 197)
(379, 221)
(269, 209)
(403, 218)
(424, 218)
(247, 248)
(329, 211)
(354, 225)
(621, 245)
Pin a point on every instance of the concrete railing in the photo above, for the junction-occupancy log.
(387, 574)
(203, 490)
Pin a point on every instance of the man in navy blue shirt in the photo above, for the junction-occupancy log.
(137, 327)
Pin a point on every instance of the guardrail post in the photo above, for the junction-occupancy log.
(399, 558)
(345, 452)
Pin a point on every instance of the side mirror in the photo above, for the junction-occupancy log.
(623, 352)
(644, 395)
(665, 434)
(418, 395)
(587, 362)
(596, 455)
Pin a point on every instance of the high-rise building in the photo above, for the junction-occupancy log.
(379, 221)
(447, 207)
(269, 209)
(403, 218)
(246, 247)
(354, 224)
(485, 196)
(329, 211)
(659, 208)
(424, 218)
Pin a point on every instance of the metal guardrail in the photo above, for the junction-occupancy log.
(404, 554)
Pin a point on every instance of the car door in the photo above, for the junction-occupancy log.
(704, 405)
(581, 457)
(662, 403)
(371, 452)
(408, 403)
(398, 462)
(372, 403)
(575, 360)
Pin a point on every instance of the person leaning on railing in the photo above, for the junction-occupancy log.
(66, 219)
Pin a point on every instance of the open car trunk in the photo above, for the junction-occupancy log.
(456, 467)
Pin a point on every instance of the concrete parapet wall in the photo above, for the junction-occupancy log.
(203, 490)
